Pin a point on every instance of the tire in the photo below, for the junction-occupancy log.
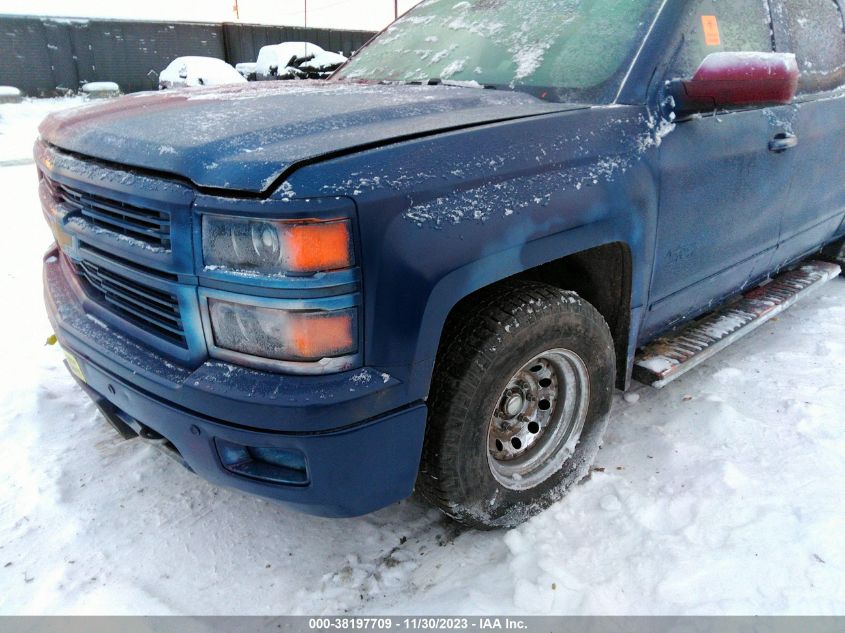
(520, 344)
(835, 253)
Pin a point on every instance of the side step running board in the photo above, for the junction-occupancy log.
(671, 356)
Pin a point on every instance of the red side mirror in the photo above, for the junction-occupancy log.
(736, 80)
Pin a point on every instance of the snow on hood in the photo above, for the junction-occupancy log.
(245, 137)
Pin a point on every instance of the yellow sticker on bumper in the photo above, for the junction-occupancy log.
(75, 368)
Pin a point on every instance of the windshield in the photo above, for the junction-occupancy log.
(566, 50)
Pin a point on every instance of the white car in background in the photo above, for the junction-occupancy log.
(191, 72)
(291, 60)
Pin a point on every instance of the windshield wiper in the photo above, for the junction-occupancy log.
(455, 83)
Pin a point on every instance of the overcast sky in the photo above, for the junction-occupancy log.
(370, 15)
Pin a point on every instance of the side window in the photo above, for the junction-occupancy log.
(816, 32)
(715, 26)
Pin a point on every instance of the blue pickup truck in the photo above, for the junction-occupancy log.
(432, 271)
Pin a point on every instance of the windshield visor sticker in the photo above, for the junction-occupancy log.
(711, 30)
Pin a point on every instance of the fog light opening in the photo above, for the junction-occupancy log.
(274, 465)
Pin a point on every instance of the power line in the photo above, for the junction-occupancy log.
(308, 11)
(317, 9)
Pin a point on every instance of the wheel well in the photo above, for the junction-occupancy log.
(600, 275)
(835, 250)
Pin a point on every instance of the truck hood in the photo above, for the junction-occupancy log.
(246, 137)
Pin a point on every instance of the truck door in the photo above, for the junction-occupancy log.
(721, 191)
(815, 31)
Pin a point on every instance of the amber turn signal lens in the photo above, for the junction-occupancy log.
(314, 336)
(318, 246)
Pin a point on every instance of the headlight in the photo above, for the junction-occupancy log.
(283, 335)
(271, 247)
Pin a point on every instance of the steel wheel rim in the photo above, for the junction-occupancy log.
(538, 419)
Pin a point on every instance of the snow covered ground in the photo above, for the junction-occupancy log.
(721, 494)
(19, 126)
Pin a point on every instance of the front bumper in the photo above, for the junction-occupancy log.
(361, 446)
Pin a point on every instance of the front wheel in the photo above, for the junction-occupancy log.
(519, 402)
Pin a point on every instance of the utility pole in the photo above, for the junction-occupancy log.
(395, 9)
(237, 10)
(306, 14)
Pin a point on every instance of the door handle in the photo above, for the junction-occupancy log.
(782, 142)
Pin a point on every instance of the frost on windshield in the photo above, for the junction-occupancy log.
(739, 25)
(572, 45)
(818, 41)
